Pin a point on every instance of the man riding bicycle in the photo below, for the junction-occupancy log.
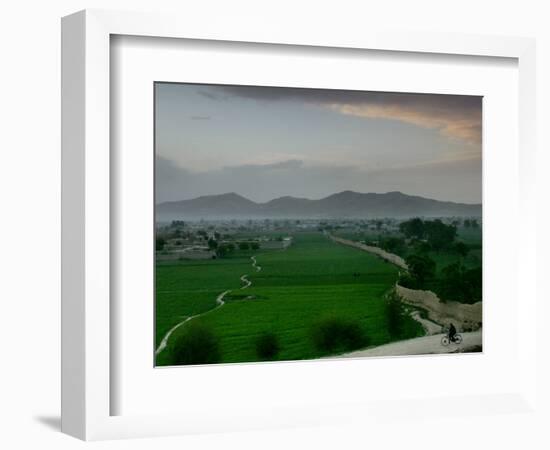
(452, 333)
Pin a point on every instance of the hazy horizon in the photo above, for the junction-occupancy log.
(306, 198)
(265, 143)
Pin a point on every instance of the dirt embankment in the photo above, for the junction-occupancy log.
(466, 316)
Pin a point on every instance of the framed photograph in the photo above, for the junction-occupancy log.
(273, 219)
(289, 223)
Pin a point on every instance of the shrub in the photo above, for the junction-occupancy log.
(338, 334)
(244, 245)
(394, 315)
(195, 344)
(267, 346)
(406, 280)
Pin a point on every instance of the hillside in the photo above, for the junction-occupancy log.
(346, 204)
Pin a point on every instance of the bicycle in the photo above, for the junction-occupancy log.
(457, 339)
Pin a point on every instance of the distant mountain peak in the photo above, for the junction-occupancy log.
(344, 204)
(224, 195)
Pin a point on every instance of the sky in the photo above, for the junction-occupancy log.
(267, 142)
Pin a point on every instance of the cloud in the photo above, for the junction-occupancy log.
(283, 165)
(451, 123)
(454, 116)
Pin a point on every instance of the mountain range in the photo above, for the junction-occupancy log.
(346, 204)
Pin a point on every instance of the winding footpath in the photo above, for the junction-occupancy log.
(255, 264)
(219, 303)
(246, 282)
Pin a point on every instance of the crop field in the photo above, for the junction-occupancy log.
(314, 278)
(472, 237)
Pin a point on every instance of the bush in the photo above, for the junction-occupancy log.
(338, 334)
(244, 246)
(267, 346)
(406, 280)
(394, 315)
(196, 344)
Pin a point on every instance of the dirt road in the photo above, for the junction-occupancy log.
(419, 346)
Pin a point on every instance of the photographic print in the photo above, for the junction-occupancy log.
(298, 224)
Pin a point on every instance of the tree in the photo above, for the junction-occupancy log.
(474, 223)
(452, 275)
(467, 223)
(225, 249)
(422, 247)
(243, 246)
(212, 244)
(217, 236)
(159, 244)
(462, 249)
(254, 245)
(438, 234)
(461, 284)
(413, 228)
(392, 244)
(177, 223)
(421, 268)
(473, 278)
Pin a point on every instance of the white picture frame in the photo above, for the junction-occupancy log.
(86, 198)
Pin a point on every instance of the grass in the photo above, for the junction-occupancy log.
(312, 279)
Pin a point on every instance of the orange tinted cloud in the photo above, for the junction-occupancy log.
(454, 116)
(453, 123)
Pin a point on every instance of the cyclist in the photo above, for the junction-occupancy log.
(452, 333)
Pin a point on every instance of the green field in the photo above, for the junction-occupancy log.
(472, 237)
(312, 279)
